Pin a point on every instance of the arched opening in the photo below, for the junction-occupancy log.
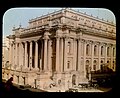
(94, 66)
(113, 51)
(101, 66)
(108, 51)
(102, 50)
(95, 50)
(69, 47)
(68, 64)
(87, 49)
(24, 80)
(35, 81)
(18, 79)
(113, 67)
(87, 68)
(59, 82)
(74, 80)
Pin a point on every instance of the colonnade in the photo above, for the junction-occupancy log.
(37, 54)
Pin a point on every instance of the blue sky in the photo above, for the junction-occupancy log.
(17, 16)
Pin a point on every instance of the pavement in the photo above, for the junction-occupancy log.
(18, 89)
(99, 89)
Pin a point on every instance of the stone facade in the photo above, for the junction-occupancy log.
(60, 48)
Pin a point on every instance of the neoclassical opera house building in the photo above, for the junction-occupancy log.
(60, 48)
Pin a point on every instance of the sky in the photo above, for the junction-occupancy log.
(21, 16)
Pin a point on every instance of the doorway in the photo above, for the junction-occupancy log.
(74, 80)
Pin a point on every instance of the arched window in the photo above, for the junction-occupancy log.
(108, 51)
(113, 65)
(68, 64)
(87, 62)
(87, 49)
(69, 47)
(102, 51)
(113, 51)
(94, 66)
(87, 65)
(101, 66)
(101, 61)
(95, 50)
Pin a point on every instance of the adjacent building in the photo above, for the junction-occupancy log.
(60, 48)
(5, 52)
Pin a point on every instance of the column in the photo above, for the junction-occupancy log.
(45, 54)
(10, 53)
(19, 55)
(106, 53)
(99, 57)
(41, 53)
(36, 55)
(16, 49)
(57, 54)
(30, 61)
(74, 54)
(65, 53)
(26, 55)
(49, 55)
(13, 59)
(15, 53)
(111, 56)
(22, 55)
(61, 55)
(79, 54)
(92, 56)
(84, 59)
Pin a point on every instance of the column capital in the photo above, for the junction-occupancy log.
(46, 32)
(59, 31)
(45, 37)
(89, 42)
(66, 37)
(83, 40)
(75, 38)
(23, 42)
(11, 44)
(104, 44)
(36, 41)
(79, 38)
(57, 37)
(109, 44)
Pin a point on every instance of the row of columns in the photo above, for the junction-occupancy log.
(21, 55)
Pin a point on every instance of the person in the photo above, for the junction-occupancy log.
(8, 85)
